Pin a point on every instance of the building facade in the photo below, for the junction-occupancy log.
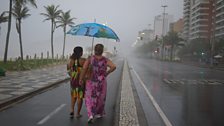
(203, 19)
(144, 37)
(159, 30)
(178, 27)
(219, 19)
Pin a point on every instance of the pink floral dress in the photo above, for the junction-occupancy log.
(96, 87)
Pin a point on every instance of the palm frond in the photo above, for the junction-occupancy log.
(3, 18)
(65, 19)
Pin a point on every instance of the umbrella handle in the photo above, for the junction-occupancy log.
(92, 46)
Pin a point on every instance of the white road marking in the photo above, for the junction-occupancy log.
(46, 118)
(159, 110)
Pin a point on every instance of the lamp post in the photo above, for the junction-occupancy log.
(164, 10)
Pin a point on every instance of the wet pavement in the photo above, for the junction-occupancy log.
(46, 108)
(15, 85)
(151, 93)
(188, 95)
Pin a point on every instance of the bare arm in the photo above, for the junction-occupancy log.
(84, 69)
(70, 65)
(111, 66)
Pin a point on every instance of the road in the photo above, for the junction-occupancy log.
(177, 94)
(52, 107)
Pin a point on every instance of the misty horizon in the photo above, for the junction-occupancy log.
(126, 18)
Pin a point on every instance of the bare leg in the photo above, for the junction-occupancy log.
(80, 101)
(73, 101)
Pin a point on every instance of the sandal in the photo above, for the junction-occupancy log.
(78, 116)
(71, 115)
(90, 120)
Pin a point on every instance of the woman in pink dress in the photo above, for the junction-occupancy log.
(96, 85)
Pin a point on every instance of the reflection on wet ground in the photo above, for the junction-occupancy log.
(203, 104)
(189, 95)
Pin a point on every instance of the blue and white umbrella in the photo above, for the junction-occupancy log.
(93, 30)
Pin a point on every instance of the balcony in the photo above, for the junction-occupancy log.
(219, 1)
(188, 7)
(219, 34)
(198, 36)
(199, 14)
(199, 9)
(199, 26)
(219, 27)
(197, 5)
(219, 20)
(198, 31)
(186, 3)
(186, 12)
(221, 6)
(220, 13)
(198, 20)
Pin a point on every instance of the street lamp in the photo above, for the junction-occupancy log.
(164, 10)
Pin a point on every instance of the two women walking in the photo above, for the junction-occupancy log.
(93, 78)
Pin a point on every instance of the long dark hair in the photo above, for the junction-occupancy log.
(77, 53)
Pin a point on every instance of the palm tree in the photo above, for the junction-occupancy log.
(3, 18)
(20, 12)
(32, 2)
(52, 13)
(64, 20)
(172, 39)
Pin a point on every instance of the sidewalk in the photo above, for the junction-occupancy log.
(128, 112)
(16, 86)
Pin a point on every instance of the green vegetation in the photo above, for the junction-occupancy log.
(29, 64)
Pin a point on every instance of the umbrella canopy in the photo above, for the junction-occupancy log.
(93, 30)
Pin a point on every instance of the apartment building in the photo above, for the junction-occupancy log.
(187, 9)
(201, 17)
(219, 19)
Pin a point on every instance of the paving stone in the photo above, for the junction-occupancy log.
(5, 89)
(128, 114)
(18, 93)
(5, 96)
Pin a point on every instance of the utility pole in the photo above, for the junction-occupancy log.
(164, 10)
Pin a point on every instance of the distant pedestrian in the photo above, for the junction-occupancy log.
(77, 91)
(95, 68)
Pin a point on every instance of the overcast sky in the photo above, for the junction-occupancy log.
(125, 17)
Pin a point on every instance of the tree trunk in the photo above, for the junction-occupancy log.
(52, 37)
(171, 52)
(20, 40)
(63, 53)
(162, 50)
(8, 33)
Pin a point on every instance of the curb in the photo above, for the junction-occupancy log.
(128, 110)
(28, 95)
